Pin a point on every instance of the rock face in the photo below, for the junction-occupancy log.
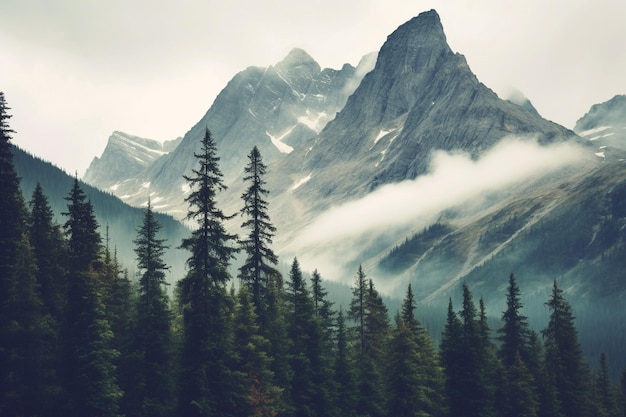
(124, 157)
(420, 97)
(604, 126)
(275, 109)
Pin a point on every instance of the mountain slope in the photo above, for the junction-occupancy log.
(275, 109)
(124, 157)
(419, 98)
(121, 219)
(604, 126)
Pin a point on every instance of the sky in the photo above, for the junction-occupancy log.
(74, 71)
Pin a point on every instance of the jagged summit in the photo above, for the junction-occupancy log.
(296, 57)
(275, 108)
(420, 97)
(126, 155)
(604, 125)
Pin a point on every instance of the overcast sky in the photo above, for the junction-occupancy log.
(73, 71)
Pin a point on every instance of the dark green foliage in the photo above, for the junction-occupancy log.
(209, 242)
(374, 336)
(253, 361)
(404, 255)
(308, 397)
(89, 355)
(344, 372)
(469, 360)
(207, 383)
(28, 341)
(564, 359)
(516, 393)
(11, 203)
(415, 382)
(152, 389)
(49, 248)
(260, 260)
(84, 243)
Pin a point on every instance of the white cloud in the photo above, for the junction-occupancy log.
(453, 179)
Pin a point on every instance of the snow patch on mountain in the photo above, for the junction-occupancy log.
(300, 182)
(314, 120)
(277, 141)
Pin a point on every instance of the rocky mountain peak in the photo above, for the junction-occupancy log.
(298, 57)
(420, 97)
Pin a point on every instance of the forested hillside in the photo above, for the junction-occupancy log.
(79, 337)
(121, 219)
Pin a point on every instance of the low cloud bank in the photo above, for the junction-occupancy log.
(453, 178)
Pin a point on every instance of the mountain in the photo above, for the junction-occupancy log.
(420, 98)
(121, 219)
(275, 108)
(424, 176)
(604, 125)
(124, 157)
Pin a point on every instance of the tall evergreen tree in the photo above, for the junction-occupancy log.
(207, 385)
(428, 388)
(605, 400)
(48, 246)
(357, 311)
(21, 311)
(305, 335)
(466, 356)
(451, 352)
(413, 371)
(563, 358)
(30, 384)
(253, 361)
(89, 355)
(375, 337)
(344, 372)
(515, 332)
(152, 350)
(516, 394)
(11, 204)
(260, 261)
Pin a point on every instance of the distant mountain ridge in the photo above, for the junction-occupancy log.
(275, 108)
(124, 157)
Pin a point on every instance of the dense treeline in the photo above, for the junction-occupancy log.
(79, 338)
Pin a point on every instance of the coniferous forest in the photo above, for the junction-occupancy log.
(79, 337)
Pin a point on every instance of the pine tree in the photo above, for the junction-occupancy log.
(322, 360)
(605, 403)
(516, 396)
(468, 360)
(260, 260)
(152, 391)
(375, 337)
(207, 386)
(89, 355)
(405, 381)
(344, 372)
(409, 386)
(30, 385)
(49, 248)
(280, 346)
(451, 351)
(254, 362)
(515, 332)
(428, 388)
(305, 336)
(11, 204)
(357, 309)
(85, 243)
(564, 359)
